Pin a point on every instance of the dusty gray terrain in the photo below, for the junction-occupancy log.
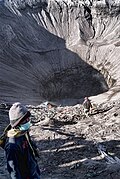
(69, 145)
(63, 51)
(69, 142)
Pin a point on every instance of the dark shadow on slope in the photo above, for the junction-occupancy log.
(62, 152)
(74, 155)
(112, 147)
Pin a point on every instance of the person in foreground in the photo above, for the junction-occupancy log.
(19, 149)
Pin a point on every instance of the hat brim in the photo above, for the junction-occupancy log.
(25, 116)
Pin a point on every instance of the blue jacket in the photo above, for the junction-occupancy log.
(21, 163)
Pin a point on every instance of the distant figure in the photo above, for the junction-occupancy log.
(51, 105)
(87, 106)
(20, 150)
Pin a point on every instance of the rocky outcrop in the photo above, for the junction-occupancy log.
(58, 50)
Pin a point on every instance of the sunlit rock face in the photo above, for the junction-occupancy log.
(53, 50)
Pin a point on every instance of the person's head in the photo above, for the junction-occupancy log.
(49, 106)
(19, 116)
(86, 98)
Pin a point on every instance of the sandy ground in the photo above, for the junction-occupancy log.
(70, 151)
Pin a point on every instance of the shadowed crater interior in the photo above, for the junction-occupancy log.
(70, 77)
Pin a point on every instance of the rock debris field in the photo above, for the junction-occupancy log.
(71, 145)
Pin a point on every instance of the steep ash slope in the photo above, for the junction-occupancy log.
(48, 47)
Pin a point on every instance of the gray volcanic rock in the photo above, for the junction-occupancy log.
(53, 50)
